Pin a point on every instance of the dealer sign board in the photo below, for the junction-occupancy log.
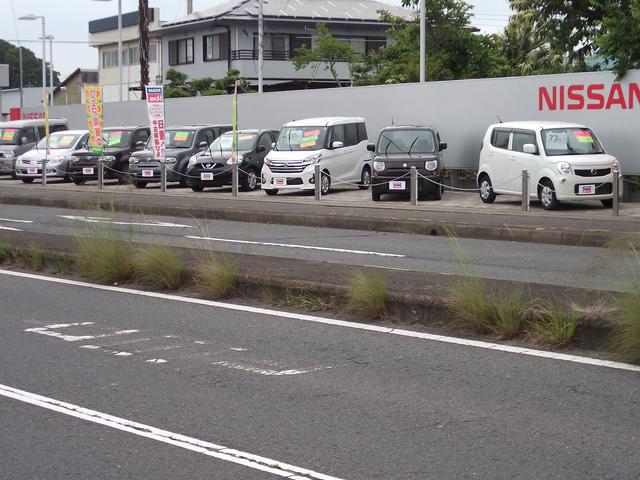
(155, 111)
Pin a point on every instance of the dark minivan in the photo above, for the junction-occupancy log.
(212, 167)
(398, 149)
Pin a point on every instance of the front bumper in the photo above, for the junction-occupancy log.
(34, 170)
(7, 165)
(381, 181)
(151, 173)
(210, 177)
(569, 187)
(304, 180)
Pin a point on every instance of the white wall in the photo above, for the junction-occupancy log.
(460, 109)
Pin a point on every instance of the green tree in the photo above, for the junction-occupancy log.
(328, 51)
(31, 66)
(177, 84)
(619, 39)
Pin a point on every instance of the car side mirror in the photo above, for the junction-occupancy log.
(273, 144)
(529, 148)
(443, 145)
(139, 145)
(203, 144)
(337, 144)
(24, 140)
(261, 148)
(371, 147)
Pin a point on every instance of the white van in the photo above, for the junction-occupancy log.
(338, 144)
(565, 161)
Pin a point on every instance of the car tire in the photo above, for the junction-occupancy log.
(487, 195)
(14, 175)
(365, 179)
(547, 195)
(271, 192)
(78, 181)
(608, 203)
(436, 194)
(138, 184)
(325, 183)
(249, 182)
(27, 180)
(197, 188)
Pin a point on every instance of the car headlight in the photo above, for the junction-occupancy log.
(230, 160)
(378, 166)
(267, 162)
(192, 161)
(170, 160)
(19, 159)
(109, 158)
(57, 159)
(431, 165)
(615, 168)
(564, 167)
(133, 160)
(313, 158)
(9, 153)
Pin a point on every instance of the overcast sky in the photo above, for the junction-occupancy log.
(67, 21)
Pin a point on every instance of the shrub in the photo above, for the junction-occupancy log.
(104, 257)
(5, 252)
(625, 339)
(366, 295)
(34, 258)
(471, 304)
(216, 277)
(159, 266)
(552, 324)
(510, 311)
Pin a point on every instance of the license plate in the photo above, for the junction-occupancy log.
(147, 173)
(280, 182)
(206, 176)
(397, 185)
(32, 171)
(586, 190)
(87, 171)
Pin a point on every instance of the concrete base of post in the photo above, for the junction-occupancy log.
(163, 176)
(100, 173)
(414, 186)
(44, 171)
(234, 179)
(526, 198)
(616, 194)
(318, 182)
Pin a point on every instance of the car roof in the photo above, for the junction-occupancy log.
(407, 127)
(125, 127)
(31, 122)
(250, 130)
(72, 132)
(323, 121)
(538, 125)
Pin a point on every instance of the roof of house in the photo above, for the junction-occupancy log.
(86, 76)
(319, 10)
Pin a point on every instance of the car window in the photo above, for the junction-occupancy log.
(522, 138)
(41, 132)
(209, 136)
(351, 134)
(30, 133)
(406, 141)
(570, 141)
(141, 136)
(337, 134)
(500, 138)
(362, 132)
(265, 141)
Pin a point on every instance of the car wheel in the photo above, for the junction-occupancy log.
(139, 184)
(78, 181)
(608, 203)
(375, 194)
(197, 188)
(27, 180)
(14, 175)
(249, 181)
(547, 195)
(436, 194)
(487, 195)
(365, 179)
(325, 183)
(272, 192)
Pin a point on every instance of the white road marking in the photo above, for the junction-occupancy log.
(267, 371)
(50, 331)
(149, 223)
(288, 245)
(156, 360)
(13, 220)
(11, 229)
(238, 349)
(339, 323)
(188, 443)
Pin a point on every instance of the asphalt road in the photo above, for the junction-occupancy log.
(338, 400)
(586, 267)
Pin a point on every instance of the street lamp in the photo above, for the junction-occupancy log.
(44, 60)
(119, 43)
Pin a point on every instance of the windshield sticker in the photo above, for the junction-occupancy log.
(311, 133)
(313, 139)
(66, 141)
(583, 136)
(245, 137)
(181, 136)
(9, 134)
(114, 138)
(310, 143)
(556, 140)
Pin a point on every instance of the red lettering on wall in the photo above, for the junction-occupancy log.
(616, 97)
(634, 92)
(592, 94)
(574, 92)
(544, 97)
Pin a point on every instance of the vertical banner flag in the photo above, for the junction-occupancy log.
(93, 107)
(155, 109)
(234, 125)
(46, 122)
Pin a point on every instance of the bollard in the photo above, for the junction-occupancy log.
(44, 171)
(163, 175)
(616, 193)
(414, 187)
(234, 179)
(100, 173)
(526, 199)
(318, 182)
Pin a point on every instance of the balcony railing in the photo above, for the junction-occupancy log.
(268, 54)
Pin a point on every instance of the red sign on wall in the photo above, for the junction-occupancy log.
(597, 96)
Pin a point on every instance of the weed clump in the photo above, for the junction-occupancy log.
(34, 258)
(472, 305)
(625, 339)
(366, 295)
(510, 311)
(552, 324)
(5, 252)
(159, 267)
(216, 277)
(104, 257)
(306, 300)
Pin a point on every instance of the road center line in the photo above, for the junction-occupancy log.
(188, 443)
(10, 229)
(150, 223)
(287, 245)
(13, 220)
(340, 323)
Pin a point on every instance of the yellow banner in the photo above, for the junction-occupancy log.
(93, 107)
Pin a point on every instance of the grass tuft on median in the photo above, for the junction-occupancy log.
(159, 267)
(510, 310)
(216, 276)
(366, 295)
(102, 255)
(552, 324)
(625, 339)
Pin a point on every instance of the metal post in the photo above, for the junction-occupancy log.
(234, 179)
(44, 170)
(525, 191)
(414, 187)
(50, 37)
(163, 175)
(100, 173)
(260, 44)
(21, 82)
(120, 46)
(423, 39)
(317, 182)
(44, 65)
(616, 193)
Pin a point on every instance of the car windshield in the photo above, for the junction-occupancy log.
(178, 138)
(301, 138)
(570, 141)
(406, 142)
(116, 138)
(8, 136)
(59, 141)
(224, 142)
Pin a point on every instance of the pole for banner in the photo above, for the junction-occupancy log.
(318, 182)
(616, 194)
(413, 191)
(101, 172)
(526, 198)
(234, 147)
(46, 133)
(163, 175)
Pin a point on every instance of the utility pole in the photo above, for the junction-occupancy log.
(143, 14)
(260, 43)
(423, 39)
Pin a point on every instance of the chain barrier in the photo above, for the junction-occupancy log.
(450, 187)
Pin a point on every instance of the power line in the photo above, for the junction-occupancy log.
(54, 41)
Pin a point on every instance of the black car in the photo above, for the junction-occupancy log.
(398, 149)
(180, 143)
(212, 167)
(120, 143)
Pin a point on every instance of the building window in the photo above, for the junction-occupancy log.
(276, 47)
(375, 43)
(298, 41)
(110, 59)
(134, 55)
(181, 51)
(215, 47)
(153, 53)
